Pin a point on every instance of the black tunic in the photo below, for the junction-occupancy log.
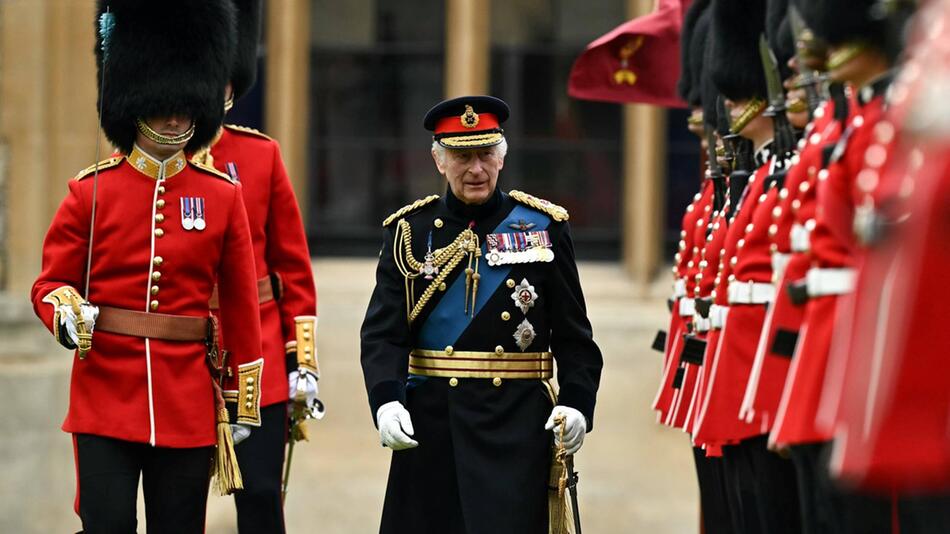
(483, 456)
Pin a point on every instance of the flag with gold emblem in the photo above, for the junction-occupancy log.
(637, 62)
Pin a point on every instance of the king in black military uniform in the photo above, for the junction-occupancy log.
(477, 296)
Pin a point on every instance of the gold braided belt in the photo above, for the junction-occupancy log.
(450, 363)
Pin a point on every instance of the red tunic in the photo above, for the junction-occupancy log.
(891, 420)
(705, 283)
(279, 244)
(138, 389)
(832, 246)
(726, 379)
(795, 205)
(891, 428)
(684, 394)
(663, 402)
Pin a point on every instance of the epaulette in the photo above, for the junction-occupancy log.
(248, 130)
(409, 208)
(102, 165)
(556, 212)
(210, 170)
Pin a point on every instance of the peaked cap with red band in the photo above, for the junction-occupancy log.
(468, 121)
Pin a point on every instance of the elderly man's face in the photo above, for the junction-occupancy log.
(472, 173)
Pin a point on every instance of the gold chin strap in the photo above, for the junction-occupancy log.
(751, 111)
(444, 260)
(796, 106)
(148, 132)
(845, 54)
(229, 103)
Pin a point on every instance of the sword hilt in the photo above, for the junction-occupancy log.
(84, 343)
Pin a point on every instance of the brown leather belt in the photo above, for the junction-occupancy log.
(265, 293)
(152, 325)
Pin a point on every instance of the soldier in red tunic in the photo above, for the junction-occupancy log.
(761, 481)
(143, 399)
(856, 57)
(887, 397)
(285, 288)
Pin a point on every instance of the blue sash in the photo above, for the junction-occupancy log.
(448, 319)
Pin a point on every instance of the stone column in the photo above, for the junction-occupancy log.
(287, 106)
(47, 134)
(644, 156)
(467, 47)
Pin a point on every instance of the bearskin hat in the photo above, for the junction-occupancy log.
(841, 22)
(163, 58)
(778, 31)
(736, 64)
(709, 91)
(244, 67)
(688, 85)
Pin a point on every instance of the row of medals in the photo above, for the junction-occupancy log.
(193, 213)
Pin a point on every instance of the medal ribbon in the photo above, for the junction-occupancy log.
(446, 323)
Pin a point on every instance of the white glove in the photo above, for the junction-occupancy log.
(239, 432)
(395, 426)
(67, 318)
(303, 386)
(575, 428)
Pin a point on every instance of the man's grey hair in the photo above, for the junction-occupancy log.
(500, 150)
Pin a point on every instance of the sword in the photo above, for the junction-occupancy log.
(572, 479)
(298, 432)
(569, 477)
(784, 136)
(106, 25)
(810, 79)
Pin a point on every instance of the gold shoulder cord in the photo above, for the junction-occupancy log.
(446, 259)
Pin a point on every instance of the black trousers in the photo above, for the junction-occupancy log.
(713, 493)
(261, 457)
(925, 514)
(761, 488)
(175, 483)
(827, 508)
(482, 464)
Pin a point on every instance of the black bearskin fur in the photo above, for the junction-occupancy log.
(165, 57)
(688, 85)
(736, 65)
(244, 68)
(779, 33)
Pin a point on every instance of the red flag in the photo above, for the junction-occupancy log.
(639, 61)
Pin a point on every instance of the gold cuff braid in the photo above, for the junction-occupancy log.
(249, 392)
(306, 334)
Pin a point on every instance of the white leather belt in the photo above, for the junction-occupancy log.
(701, 324)
(800, 238)
(823, 282)
(779, 263)
(751, 292)
(687, 307)
(679, 288)
(717, 315)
